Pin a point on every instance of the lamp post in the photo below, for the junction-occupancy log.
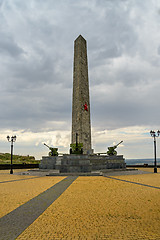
(153, 134)
(12, 139)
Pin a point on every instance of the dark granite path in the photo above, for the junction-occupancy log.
(15, 222)
(16, 180)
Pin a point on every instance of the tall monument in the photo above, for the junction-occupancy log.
(80, 100)
(76, 161)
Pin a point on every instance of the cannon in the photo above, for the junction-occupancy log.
(53, 151)
(111, 150)
(76, 148)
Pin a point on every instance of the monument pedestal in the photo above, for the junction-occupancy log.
(82, 163)
(67, 163)
(100, 162)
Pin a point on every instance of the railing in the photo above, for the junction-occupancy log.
(19, 166)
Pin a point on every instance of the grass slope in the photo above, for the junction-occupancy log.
(5, 158)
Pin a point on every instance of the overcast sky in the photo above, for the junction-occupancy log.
(36, 73)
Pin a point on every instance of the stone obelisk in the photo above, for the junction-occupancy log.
(80, 101)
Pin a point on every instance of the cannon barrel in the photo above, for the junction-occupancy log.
(119, 143)
(53, 151)
(111, 150)
(46, 145)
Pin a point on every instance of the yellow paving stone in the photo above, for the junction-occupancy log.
(100, 208)
(14, 194)
(149, 169)
(146, 169)
(152, 179)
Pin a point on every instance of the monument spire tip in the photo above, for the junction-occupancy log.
(80, 37)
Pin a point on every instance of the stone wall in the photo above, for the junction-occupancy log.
(107, 162)
(82, 163)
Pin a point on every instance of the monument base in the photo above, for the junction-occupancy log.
(82, 163)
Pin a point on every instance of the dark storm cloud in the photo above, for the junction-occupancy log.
(158, 50)
(36, 47)
(32, 110)
(9, 47)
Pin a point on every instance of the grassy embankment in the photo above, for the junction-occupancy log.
(5, 158)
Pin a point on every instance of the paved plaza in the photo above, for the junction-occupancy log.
(121, 205)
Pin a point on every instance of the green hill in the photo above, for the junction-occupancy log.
(5, 158)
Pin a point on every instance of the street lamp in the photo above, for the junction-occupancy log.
(153, 134)
(12, 139)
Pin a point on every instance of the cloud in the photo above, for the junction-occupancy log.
(34, 142)
(135, 140)
(9, 47)
(36, 64)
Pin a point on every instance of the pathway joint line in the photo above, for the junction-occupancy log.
(145, 185)
(15, 222)
(16, 180)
